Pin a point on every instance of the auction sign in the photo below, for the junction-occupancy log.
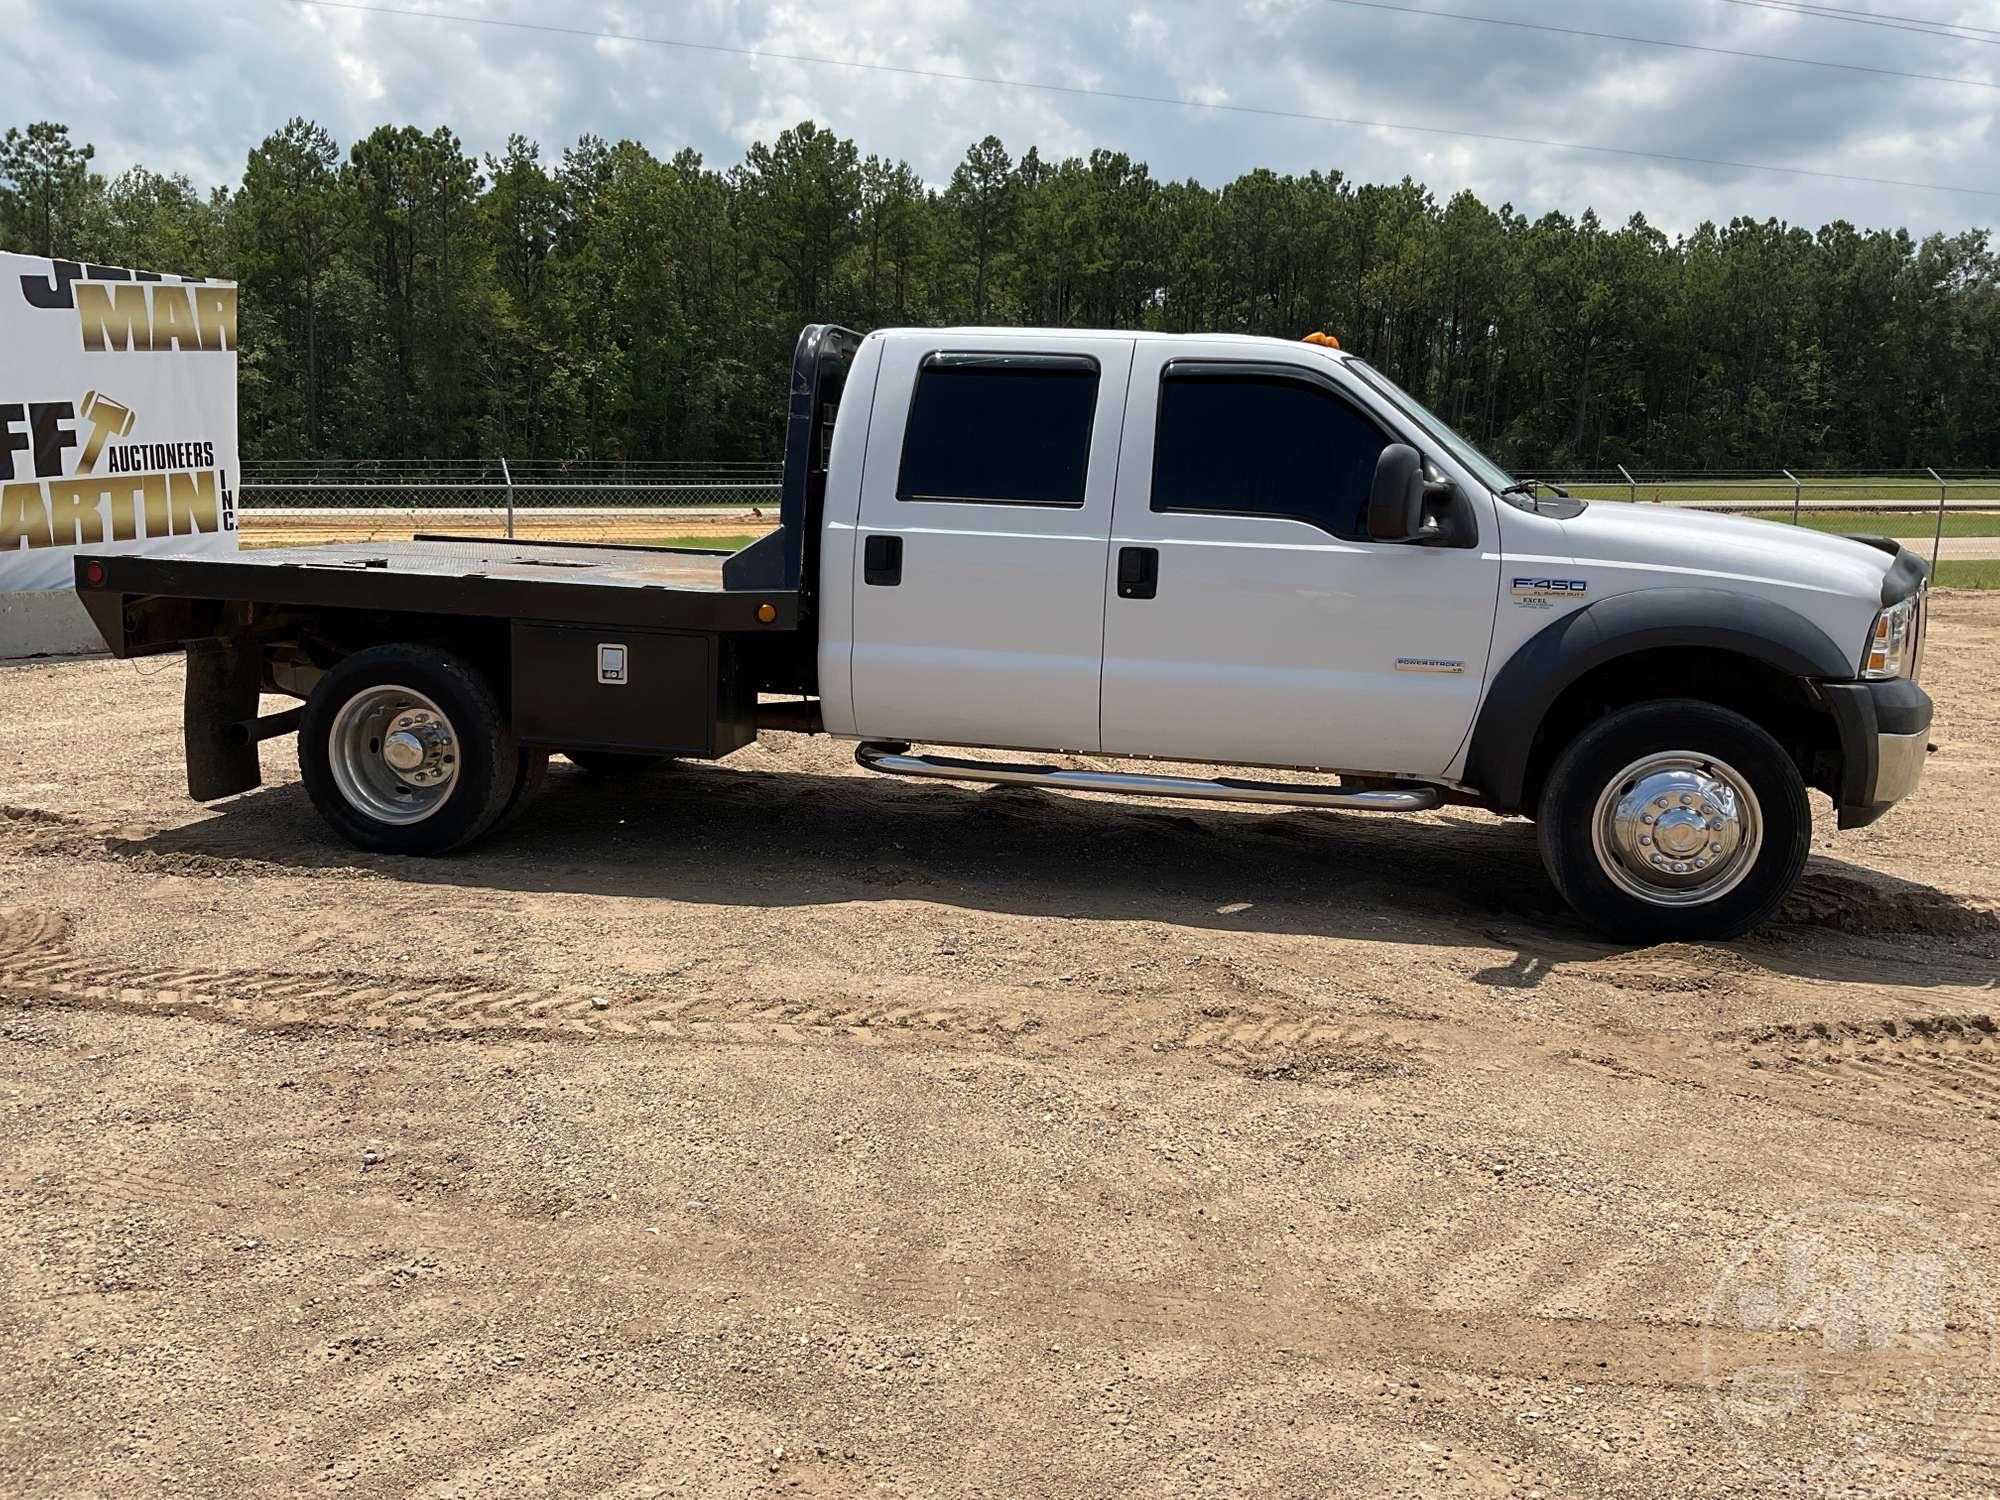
(117, 416)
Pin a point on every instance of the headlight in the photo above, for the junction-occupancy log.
(1892, 643)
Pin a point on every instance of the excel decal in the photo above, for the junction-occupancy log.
(1537, 593)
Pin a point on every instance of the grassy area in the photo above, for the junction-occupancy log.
(1968, 575)
(1898, 523)
(714, 543)
(1779, 493)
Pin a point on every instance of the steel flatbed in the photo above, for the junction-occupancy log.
(447, 585)
(618, 651)
(643, 587)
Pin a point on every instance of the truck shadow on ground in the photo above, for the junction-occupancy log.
(717, 835)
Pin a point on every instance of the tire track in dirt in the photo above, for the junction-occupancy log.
(1913, 1071)
(1284, 1047)
(707, 1273)
(1263, 1043)
(265, 1000)
(27, 930)
(1933, 1064)
(34, 968)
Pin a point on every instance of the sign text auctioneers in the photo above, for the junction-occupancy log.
(117, 416)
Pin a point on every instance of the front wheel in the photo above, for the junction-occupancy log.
(1674, 820)
(404, 750)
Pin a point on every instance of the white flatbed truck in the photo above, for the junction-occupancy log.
(1217, 550)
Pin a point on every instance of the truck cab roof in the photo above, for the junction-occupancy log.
(1042, 335)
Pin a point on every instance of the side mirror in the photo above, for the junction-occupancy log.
(1396, 499)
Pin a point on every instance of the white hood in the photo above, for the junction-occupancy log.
(1708, 546)
(1618, 547)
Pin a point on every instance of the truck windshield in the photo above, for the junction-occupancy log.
(1490, 474)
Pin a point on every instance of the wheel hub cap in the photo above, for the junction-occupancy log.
(403, 750)
(1677, 829)
(393, 753)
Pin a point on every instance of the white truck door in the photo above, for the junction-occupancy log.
(985, 510)
(1248, 619)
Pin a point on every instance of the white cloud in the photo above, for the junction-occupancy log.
(195, 89)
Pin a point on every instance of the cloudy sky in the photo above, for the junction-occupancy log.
(191, 87)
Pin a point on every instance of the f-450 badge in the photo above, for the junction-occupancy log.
(1536, 593)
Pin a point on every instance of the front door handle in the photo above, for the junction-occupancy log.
(1138, 572)
(882, 561)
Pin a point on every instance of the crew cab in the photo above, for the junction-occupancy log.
(1225, 551)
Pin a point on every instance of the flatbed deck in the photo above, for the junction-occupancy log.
(527, 561)
(643, 587)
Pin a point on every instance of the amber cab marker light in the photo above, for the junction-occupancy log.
(767, 612)
(1326, 340)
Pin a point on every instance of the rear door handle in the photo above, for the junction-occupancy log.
(882, 561)
(1138, 572)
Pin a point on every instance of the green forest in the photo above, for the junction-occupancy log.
(404, 299)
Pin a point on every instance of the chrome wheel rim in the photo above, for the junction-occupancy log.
(393, 753)
(1677, 829)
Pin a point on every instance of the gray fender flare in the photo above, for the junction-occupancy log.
(1522, 691)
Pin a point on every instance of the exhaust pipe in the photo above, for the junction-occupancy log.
(250, 731)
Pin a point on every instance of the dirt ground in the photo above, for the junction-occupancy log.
(768, 1128)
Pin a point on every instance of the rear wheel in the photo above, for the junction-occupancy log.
(1674, 820)
(614, 762)
(404, 750)
(534, 771)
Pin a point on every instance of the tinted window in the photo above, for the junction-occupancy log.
(1000, 428)
(1264, 446)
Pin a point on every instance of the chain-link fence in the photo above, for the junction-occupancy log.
(1782, 489)
(298, 503)
(1951, 513)
(1956, 513)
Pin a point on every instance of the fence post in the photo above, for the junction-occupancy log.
(1795, 493)
(1631, 484)
(1937, 541)
(504, 474)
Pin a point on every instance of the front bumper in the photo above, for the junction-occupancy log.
(1884, 737)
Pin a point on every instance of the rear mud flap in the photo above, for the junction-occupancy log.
(222, 687)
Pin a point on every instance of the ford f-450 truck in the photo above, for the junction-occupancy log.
(1226, 551)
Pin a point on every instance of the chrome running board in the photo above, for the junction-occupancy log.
(895, 760)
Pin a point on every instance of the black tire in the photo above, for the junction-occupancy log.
(487, 763)
(1588, 766)
(616, 763)
(534, 771)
